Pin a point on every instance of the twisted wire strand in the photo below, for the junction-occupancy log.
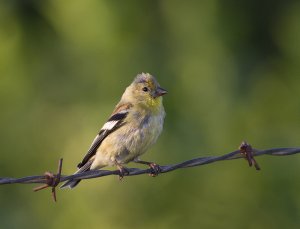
(43, 179)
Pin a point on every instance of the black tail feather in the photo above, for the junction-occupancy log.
(74, 183)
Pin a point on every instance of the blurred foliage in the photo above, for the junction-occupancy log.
(232, 72)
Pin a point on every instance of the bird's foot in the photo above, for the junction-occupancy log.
(155, 169)
(123, 171)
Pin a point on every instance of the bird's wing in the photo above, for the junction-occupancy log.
(115, 121)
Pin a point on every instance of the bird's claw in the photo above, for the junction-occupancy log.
(123, 172)
(155, 169)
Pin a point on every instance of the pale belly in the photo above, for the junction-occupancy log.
(124, 145)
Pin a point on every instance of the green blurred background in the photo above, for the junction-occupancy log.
(232, 71)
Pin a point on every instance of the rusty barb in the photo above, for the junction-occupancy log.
(247, 151)
(52, 180)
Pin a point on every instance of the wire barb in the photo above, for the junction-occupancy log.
(247, 152)
(52, 180)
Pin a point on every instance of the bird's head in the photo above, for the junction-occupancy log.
(145, 90)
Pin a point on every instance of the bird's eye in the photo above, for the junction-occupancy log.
(145, 89)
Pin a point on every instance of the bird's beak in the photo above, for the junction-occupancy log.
(160, 92)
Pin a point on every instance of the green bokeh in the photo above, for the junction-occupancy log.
(232, 72)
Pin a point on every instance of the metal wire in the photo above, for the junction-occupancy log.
(52, 180)
(44, 179)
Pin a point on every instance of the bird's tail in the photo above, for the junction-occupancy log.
(74, 183)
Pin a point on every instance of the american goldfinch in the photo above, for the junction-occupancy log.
(132, 128)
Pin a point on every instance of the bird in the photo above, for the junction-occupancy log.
(133, 127)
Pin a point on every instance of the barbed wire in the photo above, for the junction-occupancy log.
(52, 180)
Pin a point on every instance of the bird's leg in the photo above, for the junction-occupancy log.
(155, 167)
(123, 170)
